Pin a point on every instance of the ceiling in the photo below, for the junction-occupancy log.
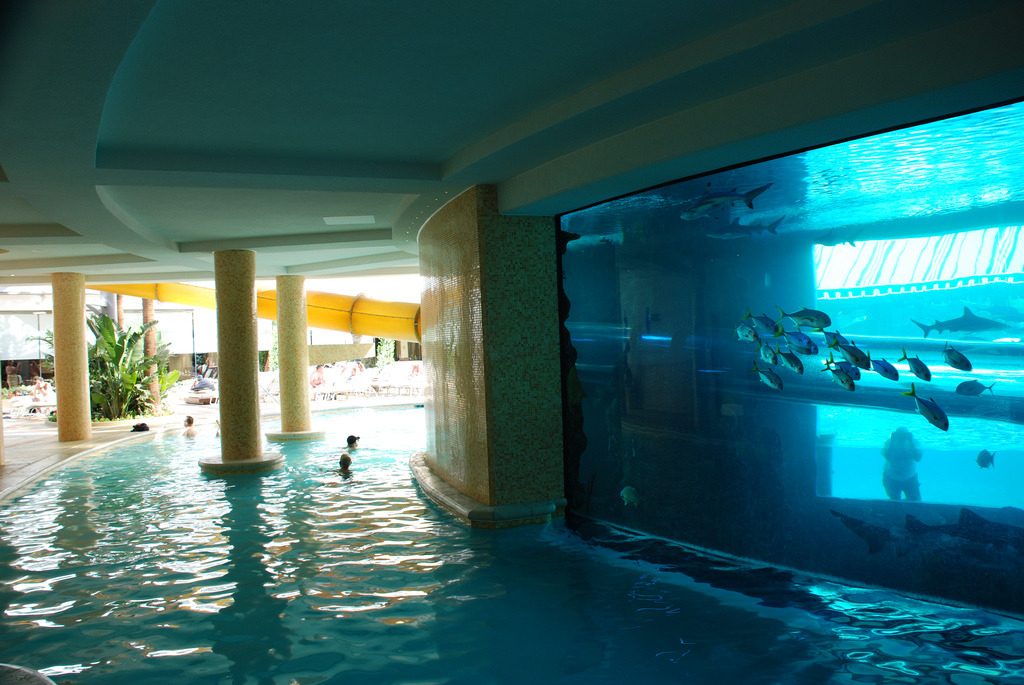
(137, 138)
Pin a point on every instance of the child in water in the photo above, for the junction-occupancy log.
(344, 463)
(899, 474)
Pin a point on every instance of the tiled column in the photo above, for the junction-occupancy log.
(237, 355)
(293, 354)
(2, 461)
(70, 358)
(491, 355)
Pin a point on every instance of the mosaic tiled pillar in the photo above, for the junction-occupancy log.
(293, 353)
(70, 358)
(491, 353)
(237, 355)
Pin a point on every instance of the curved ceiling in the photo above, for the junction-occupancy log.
(137, 138)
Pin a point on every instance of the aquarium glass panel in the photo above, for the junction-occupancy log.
(767, 357)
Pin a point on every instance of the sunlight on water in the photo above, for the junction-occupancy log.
(129, 566)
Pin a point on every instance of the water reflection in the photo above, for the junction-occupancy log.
(250, 631)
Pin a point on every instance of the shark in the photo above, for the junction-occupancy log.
(972, 527)
(968, 322)
(708, 201)
(737, 230)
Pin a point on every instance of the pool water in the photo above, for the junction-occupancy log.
(130, 566)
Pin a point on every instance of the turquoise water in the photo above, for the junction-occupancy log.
(130, 566)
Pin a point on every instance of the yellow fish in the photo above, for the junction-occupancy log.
(630, 496)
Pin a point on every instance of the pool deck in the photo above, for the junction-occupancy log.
(31, 447)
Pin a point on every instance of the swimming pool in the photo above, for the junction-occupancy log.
(130, 566)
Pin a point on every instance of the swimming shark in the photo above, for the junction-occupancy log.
(972, 527)
(737, 230)
(968, 322)
(708, 201)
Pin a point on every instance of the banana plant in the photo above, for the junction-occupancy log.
(119, 374)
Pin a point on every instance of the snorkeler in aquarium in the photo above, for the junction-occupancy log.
(899, 474)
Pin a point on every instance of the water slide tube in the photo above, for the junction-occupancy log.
(357, 315)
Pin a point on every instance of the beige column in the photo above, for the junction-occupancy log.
(293, 353)
(70, 358)
(149, 348)
(237, 355)
(2, 461)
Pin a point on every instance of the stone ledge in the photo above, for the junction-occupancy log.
(215, 466)
(474, 512)
(285, 436)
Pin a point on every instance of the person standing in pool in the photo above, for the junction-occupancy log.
(899, 473)
(190, 429)
(353, 442)
(344, 463)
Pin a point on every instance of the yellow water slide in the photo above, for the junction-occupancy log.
(357, 315)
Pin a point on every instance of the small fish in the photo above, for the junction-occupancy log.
(853, 354)
(629, 496)
(747, 333)
(811, 318)
(852, 371)
(884, 369)
(790, 361)
(708, 201)
(832, 338)
(955, 359)
(986, 459)
(973, 388)
(767, 354)
(968, 322)
(768, 377)
(916, 366)
(839, 377)
(764, 323)
(800, 342)
(929, 410)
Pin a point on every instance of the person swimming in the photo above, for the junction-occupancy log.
(344, 464)
(190, 429)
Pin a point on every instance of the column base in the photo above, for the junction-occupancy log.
(285, 436)
(474, 512)
(215, 466)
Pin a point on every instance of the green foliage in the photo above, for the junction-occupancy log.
(120, 371)
(385, 352)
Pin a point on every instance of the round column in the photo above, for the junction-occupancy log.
(241, 442)
(293, 360)
(70, 358)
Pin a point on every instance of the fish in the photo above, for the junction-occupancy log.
(929, 410)
(811, 318)
(708, 201)
(972, 527)
(790, 361)
(800, 342)
(764, 323)
(875, 536)
(967, 322)
(629, 496)
(986, 459)
(768, 377)
(767, 354)
(832, 337)
(916, 366)
(839, 377)
(745, 230)
(747, 333)
(973, 388)
(852, 371)
(955, 358)
(836, 236)
(852, 354)
(884, 369)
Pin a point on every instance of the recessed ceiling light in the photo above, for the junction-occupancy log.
(348, 220)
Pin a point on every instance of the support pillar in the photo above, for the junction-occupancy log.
(70, 358)
(241, 441)
(491, 356)
(293, 361)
